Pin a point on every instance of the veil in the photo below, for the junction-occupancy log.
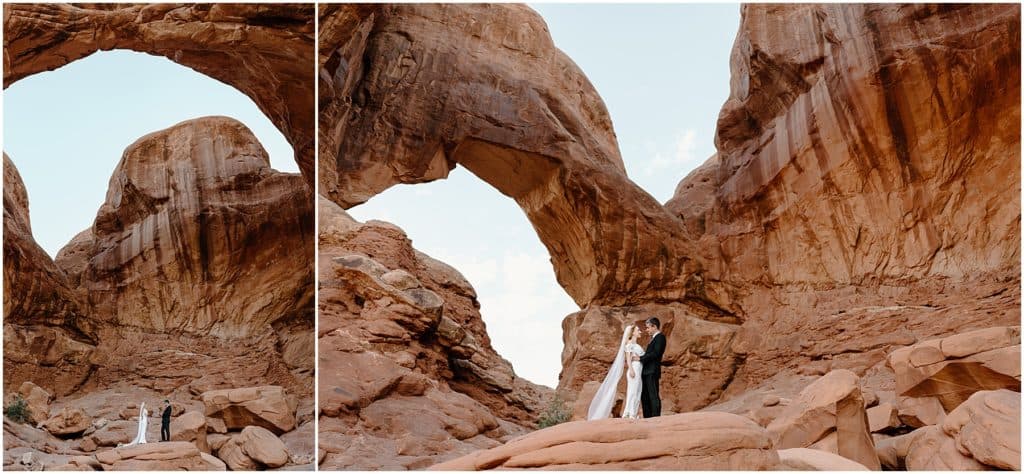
(601, 405)
(141, 437)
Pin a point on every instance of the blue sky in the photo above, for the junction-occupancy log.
(66, 129)
(663, 72)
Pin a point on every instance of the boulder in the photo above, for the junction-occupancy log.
(952, 368)
(68, 422)
(832, 403)
(266, 406)
(234, 457)
(191, 426)
(263, 447)
(931, 449)
(892, 451)
(987, 428)
(38, 401)
(920, 411)
(882, 417)
(114, 433)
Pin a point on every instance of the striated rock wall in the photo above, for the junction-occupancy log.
(263, 50)
(864, 144)
(43, 338)
(198, 235)
(865, 193)
(196, 275)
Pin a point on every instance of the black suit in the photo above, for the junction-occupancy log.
(165, 425)
(650, 397)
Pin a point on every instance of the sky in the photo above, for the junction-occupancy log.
(65, 130)
(663, 72)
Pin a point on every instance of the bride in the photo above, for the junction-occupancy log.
(140, 438)
(604, 399)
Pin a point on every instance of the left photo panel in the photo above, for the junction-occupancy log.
(158, 236)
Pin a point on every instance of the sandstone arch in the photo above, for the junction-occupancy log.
(397, 105)
(265, 51)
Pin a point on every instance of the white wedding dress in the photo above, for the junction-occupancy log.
(631, 409)
(604, 399)
(140, 438)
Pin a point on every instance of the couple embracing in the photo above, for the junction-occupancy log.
(643, 373)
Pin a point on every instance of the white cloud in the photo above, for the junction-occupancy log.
(680, 157)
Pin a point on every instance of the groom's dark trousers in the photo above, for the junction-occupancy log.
(650, 396)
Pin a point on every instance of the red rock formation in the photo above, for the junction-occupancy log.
(407, 92)
(407, 373)
(43, 338)
(263, 50)
(198, 206)
(195, 277)
(866, 192)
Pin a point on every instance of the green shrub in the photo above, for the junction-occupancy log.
(17, 410)
(556, 413)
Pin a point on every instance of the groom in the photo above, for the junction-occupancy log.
(650, 398)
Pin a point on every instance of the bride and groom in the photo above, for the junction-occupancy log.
(165, 424)
(642, 375)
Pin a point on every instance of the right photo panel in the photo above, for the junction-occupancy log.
(669, 237)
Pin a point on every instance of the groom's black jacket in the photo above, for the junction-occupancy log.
(652, 357)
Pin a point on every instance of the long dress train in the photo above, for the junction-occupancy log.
(604, 399)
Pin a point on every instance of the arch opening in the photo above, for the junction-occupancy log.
(499, 253)
(97, 107)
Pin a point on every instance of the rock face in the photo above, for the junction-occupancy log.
(407, 373)
(42, 336)
(841, 195)
(381, 69)
(689, 441)
(269, 407)
(264, 51)
(198, 206)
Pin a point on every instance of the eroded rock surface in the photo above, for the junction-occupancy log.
(172, 298)
(864, 198)
(407, 374)
(689, 441)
